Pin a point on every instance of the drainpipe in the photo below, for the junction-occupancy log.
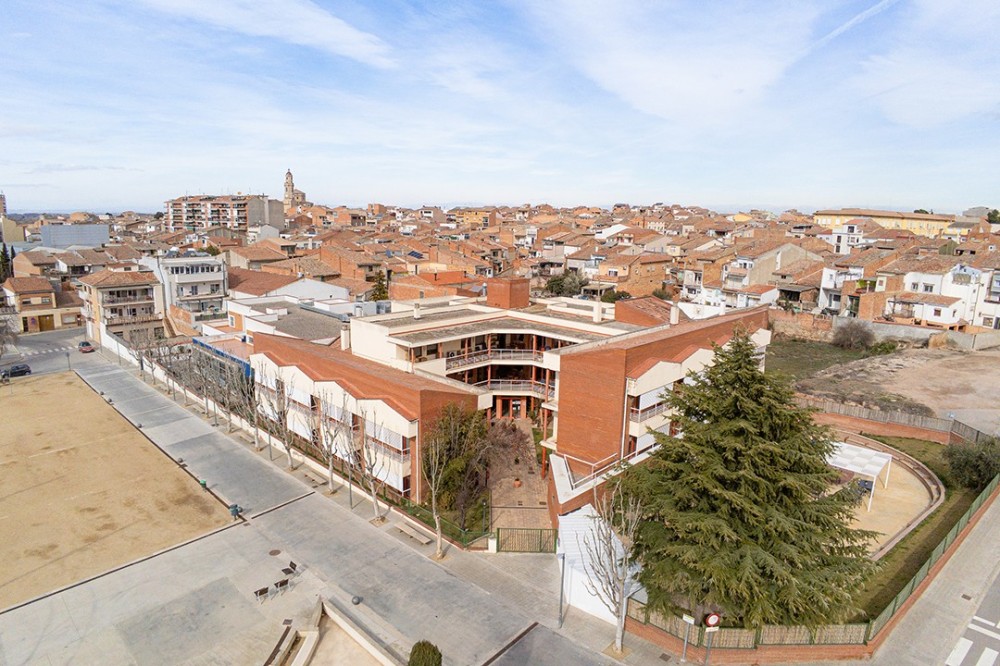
(629, 383)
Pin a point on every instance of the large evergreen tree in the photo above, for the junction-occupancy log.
(380, 292)
(6, 270)
(739, 517)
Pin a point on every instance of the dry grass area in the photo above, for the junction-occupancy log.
(83, 491)
(920, 381)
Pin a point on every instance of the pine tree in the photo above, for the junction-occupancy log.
(380, 291)
(5, 267)
(739, 517)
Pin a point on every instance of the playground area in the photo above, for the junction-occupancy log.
(84, 491)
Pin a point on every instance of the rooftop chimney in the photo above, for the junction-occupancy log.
(416, 310)
(345, 336)
(675, 314)
(597, 312)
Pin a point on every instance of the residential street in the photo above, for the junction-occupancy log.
(47, 352)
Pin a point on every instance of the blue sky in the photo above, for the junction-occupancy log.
(810, 103)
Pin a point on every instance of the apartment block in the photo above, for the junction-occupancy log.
(193, 282)
(595, 384)
(123, 301)
(240, 211)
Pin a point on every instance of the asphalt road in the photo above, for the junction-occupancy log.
(979, 644)
(47, 352)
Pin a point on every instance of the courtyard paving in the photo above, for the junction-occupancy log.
(195, 604)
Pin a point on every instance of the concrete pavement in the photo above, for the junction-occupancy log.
(195, 603)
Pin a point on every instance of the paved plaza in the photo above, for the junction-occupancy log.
(195, 604)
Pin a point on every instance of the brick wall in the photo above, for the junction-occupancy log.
(508, 293)
(855, 424)
(802, 325)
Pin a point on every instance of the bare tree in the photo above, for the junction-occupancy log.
(247, 402)
(445, 441)
(608, 559)
(370, 459)
(487, 447)
(276, 398)
(335, 429)
(141, 345)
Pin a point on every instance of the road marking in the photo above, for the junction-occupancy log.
(988, 658)
(985, 632)
(958, 653)
(46, 351)
(989, 623)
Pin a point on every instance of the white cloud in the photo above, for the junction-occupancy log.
(940, 66)
(696, 66)
(294, 21)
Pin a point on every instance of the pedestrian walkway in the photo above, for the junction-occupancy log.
(196, 603)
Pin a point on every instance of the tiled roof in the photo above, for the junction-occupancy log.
(257, 283)
(105, 279)
(28, 285)
(259, 253)
(927, 299)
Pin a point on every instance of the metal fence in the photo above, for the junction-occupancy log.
(857, 411)
(526, 540)
(830, 634)
(957, 428)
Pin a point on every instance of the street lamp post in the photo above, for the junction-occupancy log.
(562, 584)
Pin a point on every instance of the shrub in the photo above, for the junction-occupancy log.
(425, 653)
(883, 347)
(853, 335)
(974, 465)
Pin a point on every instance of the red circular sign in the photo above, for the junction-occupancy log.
(712, 620)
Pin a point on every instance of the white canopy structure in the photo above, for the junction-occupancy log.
(862, 461)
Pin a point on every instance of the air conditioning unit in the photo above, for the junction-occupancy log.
(452, 354)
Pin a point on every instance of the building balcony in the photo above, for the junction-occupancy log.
(109, 299)
(134, 319)
(487, 356)
(216, 295)
(637, 415)
(526, 386)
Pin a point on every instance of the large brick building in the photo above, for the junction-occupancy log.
(595, 384)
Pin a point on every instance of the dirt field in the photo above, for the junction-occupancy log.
(83, 491)
(925, 381)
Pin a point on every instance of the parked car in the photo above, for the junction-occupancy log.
(86, 347)
(16, 370)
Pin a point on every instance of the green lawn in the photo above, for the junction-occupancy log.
(801, 358)
(903, 561)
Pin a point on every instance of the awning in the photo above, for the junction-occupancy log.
(861, 461)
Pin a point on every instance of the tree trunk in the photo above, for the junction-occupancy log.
(288, 450)
(374, 493)
(329, 470)
(256, 431)
(439, 552)
(620, 620)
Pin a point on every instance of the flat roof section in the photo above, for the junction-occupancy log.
(494, 325)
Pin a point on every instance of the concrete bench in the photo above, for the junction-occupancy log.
(313, 480)
(413, 533)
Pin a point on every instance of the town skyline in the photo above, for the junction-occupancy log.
(888, 104)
